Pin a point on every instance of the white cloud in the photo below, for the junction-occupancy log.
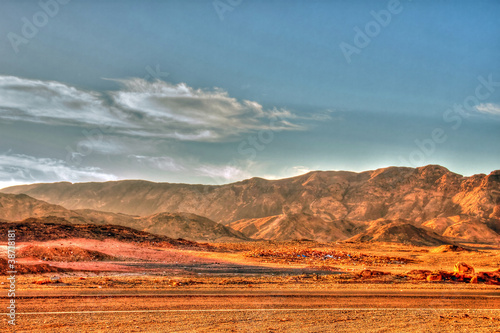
(9, 183)
(215, 174)
(289, 172)
(142, 109)
(299, 170)
(223, 174)
(23, 169)
(489, 108)
(184, 113)
(52, 103)
(165, 163)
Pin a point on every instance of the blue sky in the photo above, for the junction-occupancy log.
(218, 91)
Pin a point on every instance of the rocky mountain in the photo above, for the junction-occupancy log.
(319, 203)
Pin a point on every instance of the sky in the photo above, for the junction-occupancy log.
(216, 91)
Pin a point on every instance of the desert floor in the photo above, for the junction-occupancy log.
(254, 287)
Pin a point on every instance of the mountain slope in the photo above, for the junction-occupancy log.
(472, 231)
(189, 226)
(288, 227)
(19, 207)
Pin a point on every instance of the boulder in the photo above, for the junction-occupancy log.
(434, 277)
(369, 273)
(461, 268)
(418, 274)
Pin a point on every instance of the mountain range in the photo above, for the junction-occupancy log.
(320, 205)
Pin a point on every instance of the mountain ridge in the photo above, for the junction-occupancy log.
(319, 199)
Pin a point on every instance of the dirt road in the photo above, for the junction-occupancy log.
(261, 311)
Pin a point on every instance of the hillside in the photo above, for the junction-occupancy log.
(472, 231)
(19, 207)
(397, 232)
(291, 227)
(189, 226)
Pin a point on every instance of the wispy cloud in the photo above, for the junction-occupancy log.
(224, 173)
(143, 109)
(165, 163)
(489, 108)
(23, 169)
(53, 103)
(289, 172)
(214, 174)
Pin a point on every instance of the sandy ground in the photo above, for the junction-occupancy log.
(263, 312)
(302, 289)
(240, 258)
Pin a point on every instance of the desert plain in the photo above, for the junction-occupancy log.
(296, 286)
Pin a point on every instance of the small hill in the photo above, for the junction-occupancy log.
(398, 232)
(189, 226)
(449, 248)
(43, 230)
(472, 232)
(62, 253)
(28, 269)
(291, 227)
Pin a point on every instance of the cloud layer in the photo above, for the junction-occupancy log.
(140, 109)
(24, 169)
